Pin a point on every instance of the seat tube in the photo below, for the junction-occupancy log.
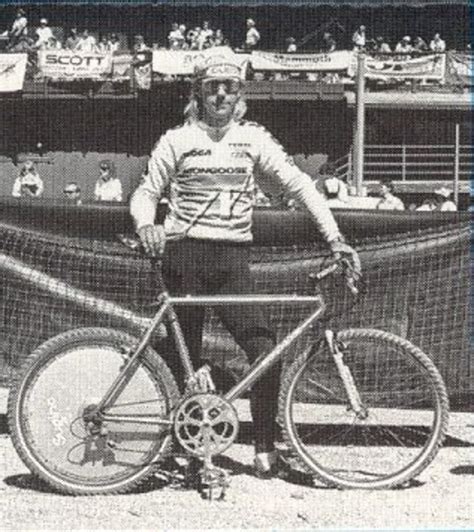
(180, 342)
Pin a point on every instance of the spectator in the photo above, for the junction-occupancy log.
(388, 201)
(193, 38)
(139, 45)
(43, 33)
(182, 29)
(291, 45)
(108, 187)
(252, 37)
(24, 45)
(72, 40)
(404, 46)
(443, 203)
(175, 37)
(72, 193)
(19, 28)
(429, 204)
(219, 39)
(114, 43)
(52, 44)
(28, 184)
(419, 45)
(333, 186)
(437, 44)
(103, 45)
(381, 46)
(359, 38)
(329, 44)
(87, 43)
(206, 36)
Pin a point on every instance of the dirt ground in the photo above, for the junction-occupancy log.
(440, 498)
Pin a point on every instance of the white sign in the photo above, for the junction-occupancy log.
(301, 62)
(65, 64)
(12, 72)
(425, 67)
(183, 62)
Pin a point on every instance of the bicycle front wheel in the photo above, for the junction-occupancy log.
(64, 379)
(404, 417)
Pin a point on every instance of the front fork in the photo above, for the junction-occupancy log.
(337, 351)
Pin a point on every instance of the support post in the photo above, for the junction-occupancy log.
(359, 140)
(456, 163)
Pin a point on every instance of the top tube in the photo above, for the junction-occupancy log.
(242, 299)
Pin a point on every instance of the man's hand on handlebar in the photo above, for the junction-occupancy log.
(342, 250)
(153, 239)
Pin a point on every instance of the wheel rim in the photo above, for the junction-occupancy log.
(402, 429)
(55, 436)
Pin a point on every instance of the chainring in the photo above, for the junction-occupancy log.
(205, 424)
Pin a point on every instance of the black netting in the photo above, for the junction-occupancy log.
(417, 287)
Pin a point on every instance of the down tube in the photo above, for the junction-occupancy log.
(269, 360)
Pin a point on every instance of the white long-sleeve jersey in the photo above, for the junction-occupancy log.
(211, 175)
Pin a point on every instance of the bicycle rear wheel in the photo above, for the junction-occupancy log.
(405, 401)
(63, 378)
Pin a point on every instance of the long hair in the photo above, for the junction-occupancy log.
(193, 110)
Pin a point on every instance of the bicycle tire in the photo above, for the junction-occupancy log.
(406, 423)
(70, 372)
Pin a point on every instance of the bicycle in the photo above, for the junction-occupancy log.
(95, 411)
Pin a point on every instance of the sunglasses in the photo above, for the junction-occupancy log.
(212, 86)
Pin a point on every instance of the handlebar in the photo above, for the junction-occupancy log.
(339, 263)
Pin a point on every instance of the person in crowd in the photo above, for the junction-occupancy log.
(419, 45)
(139, 45)
(219, 39)
(206, 36)
(252, 37)
(291, 45)
(24, 45)
(19, 28)
(72, 193)
(388, 201)
(334, 188)
(193, 38)
(103, 46)
(204, 241)
(437, 44)
(329, 43)
(72, 40)
(108, 187)
(28, 184)
(443, 202)
(404, 46)
(175, 37)
(52, 44)
(429, 204)
(382, 46)
(114, 43)
(43, 33)
(359, 38)
(184, 44)
(87, 43)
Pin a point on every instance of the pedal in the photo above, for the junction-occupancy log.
(214, 483)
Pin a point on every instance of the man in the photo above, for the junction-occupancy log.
(438, 45)
(388, 201)
(73, 40)
(28, 184)
(252, 38)
(175, 37)
(209, 165)
(404, 46)
(43, 34)
(443, 201)
(108, 187)
(420, 45)
(359, 39)
(19, 28)
(87, 43)
(72, 193)
(329, 43)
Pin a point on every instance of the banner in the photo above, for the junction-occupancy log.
(70, 65)
(12, 72)
(301, 62)
(427, 67)
(460, 68)
(182, 63)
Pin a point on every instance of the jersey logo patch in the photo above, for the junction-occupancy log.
(195, 152)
